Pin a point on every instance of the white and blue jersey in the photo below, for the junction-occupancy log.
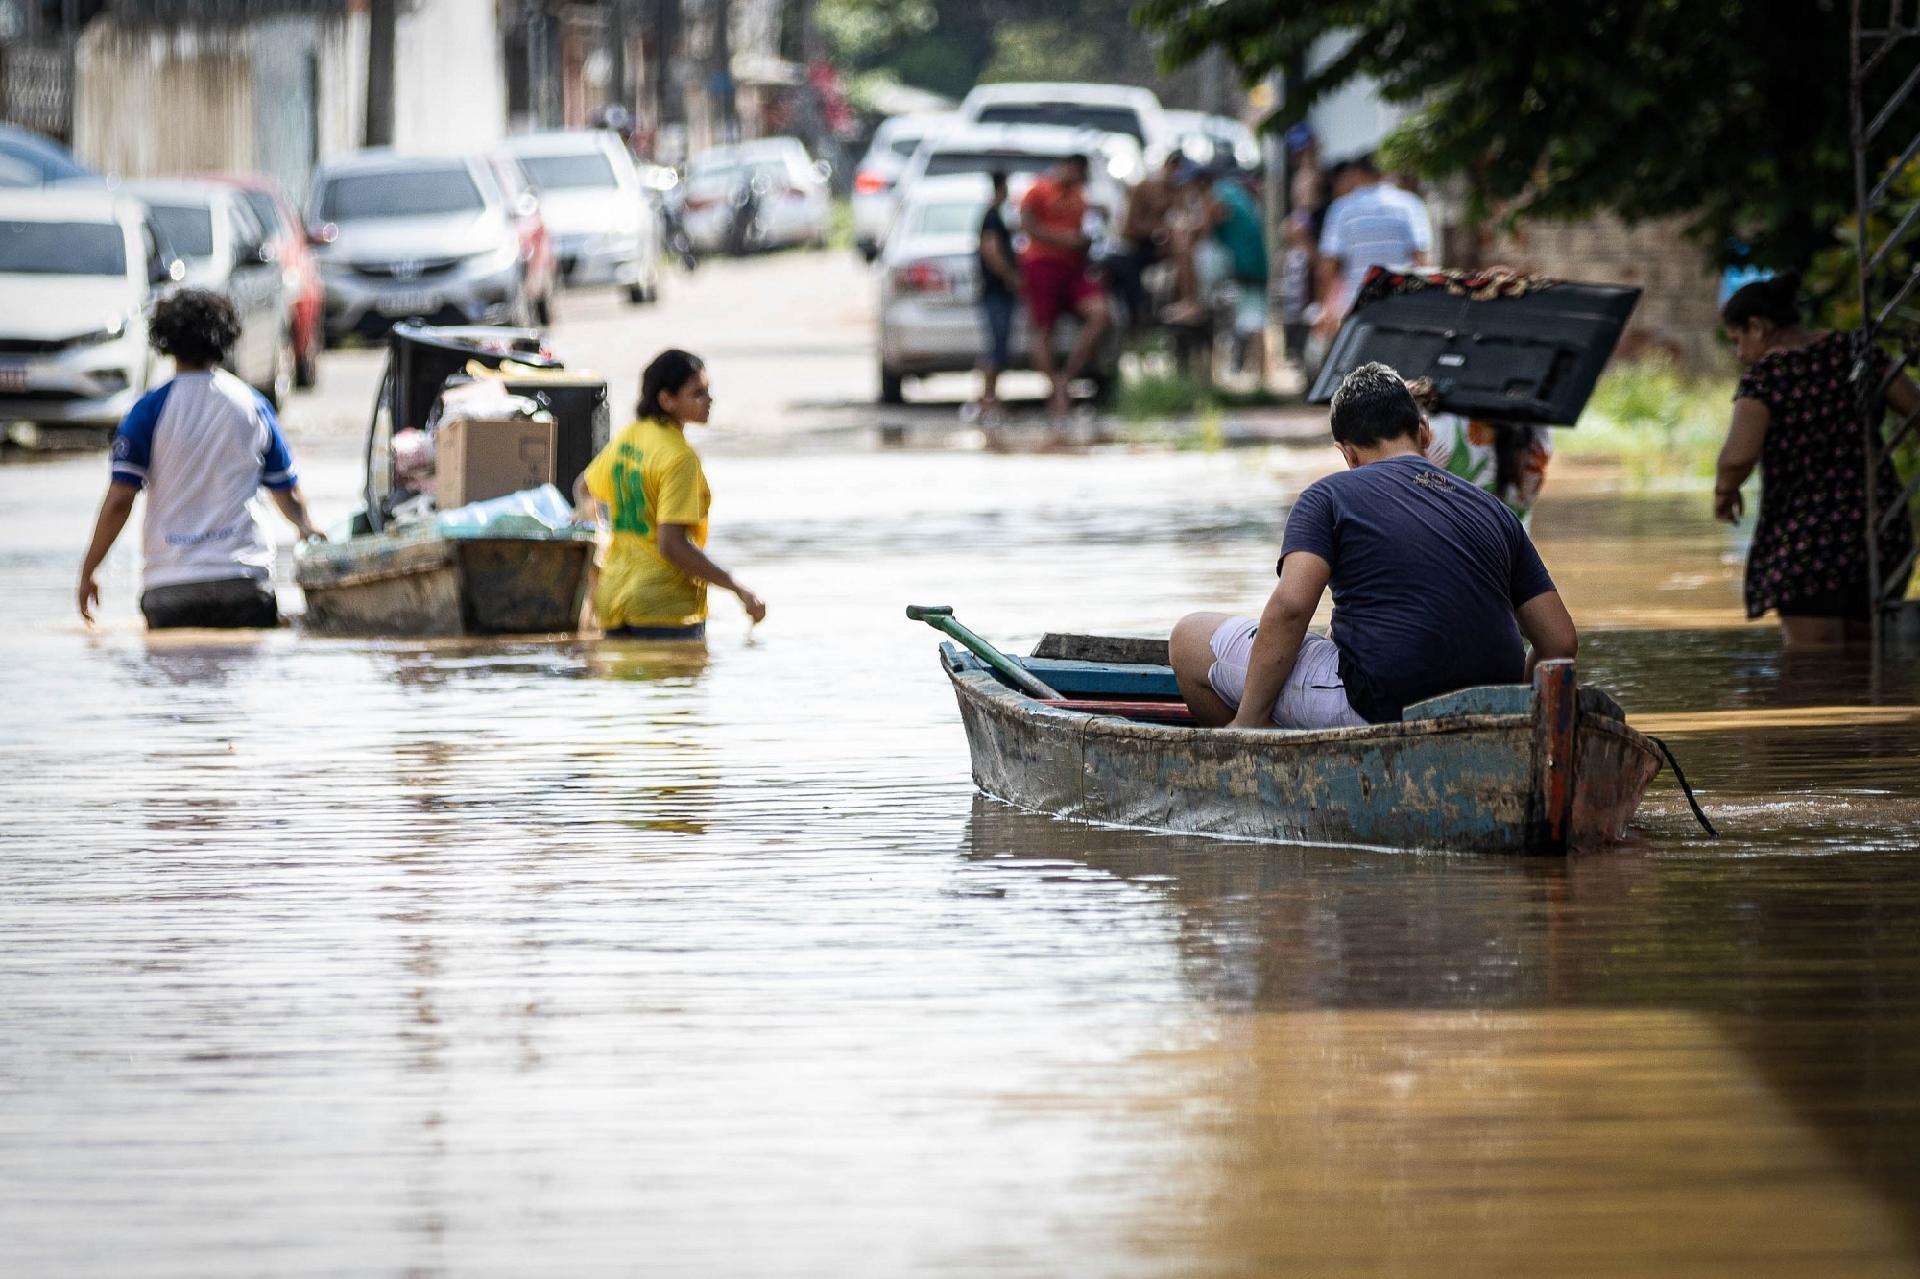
(202, 445)
(1377, 225)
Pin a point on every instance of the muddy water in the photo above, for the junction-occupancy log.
(325, 957)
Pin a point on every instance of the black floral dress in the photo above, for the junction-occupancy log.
(1810, 543)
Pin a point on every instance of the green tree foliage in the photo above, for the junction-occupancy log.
(1731, 113)
(949, 45)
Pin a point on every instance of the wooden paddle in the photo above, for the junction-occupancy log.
(940, 618)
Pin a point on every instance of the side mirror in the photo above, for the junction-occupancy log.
(526, 206)
(165, 271)
(824, 169)
(263, 254)
(322, 233)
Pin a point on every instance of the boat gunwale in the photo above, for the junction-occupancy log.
(978, 682)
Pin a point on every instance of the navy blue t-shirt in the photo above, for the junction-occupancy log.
(1427, 571)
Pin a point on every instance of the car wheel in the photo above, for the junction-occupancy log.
(638, 294)
(306, 365)
(893, 386)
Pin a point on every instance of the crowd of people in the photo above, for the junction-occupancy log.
(1201, 235)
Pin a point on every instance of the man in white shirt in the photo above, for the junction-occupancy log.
(1373, 224)
(201, 445)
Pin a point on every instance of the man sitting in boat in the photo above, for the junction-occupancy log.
(1434, 584)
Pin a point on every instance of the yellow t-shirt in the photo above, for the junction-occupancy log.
(648, 476)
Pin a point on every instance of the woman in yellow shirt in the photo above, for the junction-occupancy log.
(654, 583)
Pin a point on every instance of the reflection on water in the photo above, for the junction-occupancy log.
(508, 957)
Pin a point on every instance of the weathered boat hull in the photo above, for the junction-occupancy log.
(454, 583)
(1477, 771)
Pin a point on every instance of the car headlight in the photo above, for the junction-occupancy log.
(493, 261)
(99, 337)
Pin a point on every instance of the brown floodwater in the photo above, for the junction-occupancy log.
(325, 957)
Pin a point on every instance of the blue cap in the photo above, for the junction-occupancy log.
(1298, 137)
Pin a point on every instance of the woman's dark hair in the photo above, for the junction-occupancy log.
(1372, 405)
(1776, 301)
(670, 371)
(195, 326)
(1512, 441)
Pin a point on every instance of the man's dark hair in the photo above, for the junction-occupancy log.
(1374, 405)
(195, 326)
(999, 179)
(1080, 163)
(1366, 164)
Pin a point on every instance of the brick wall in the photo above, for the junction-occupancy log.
(1678, 313)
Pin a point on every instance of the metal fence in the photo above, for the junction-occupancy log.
(1885, 87)
(36, 86)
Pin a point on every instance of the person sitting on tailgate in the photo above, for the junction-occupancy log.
(1434, 584)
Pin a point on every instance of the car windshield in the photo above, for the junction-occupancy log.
(941, 163)
(422, 193)
(905, 144)
(188, 227)
(569, 172)
(62, 248)
(961, 218)
(1072, 115)
(727, 172)
(266, 209)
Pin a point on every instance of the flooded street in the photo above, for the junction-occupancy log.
(344, 957)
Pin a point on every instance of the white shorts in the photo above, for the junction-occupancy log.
(1313, 696)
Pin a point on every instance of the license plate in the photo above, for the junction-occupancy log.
(13, 377)
(415, 303)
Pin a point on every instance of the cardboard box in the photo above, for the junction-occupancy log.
(478, 459)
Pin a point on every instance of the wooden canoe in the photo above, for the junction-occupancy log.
(447, 582)
(1546, 768)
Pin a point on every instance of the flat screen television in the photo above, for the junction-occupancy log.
(1530, 356)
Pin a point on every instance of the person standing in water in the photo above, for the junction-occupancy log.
(201, 445)
(654, 583)
(1796, 416)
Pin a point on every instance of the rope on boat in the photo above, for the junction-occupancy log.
(1699, 815)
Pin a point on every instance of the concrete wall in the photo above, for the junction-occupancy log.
(270, 97)
(280, 94)
(1678, 314)
(450, 84)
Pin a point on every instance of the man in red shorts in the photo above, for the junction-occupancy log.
(1054, 271)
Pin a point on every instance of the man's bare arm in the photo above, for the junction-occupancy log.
(1283, 627)
(1545, 622)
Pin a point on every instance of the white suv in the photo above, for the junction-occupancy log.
(1125, 109)
(79, 267)
(596, 209)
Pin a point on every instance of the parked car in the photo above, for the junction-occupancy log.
(226, 250)
(1105, 108)
(788, 192)
(874, 197)
(930, 290)
(415, 237)
(1219, 142)
(79, 268)
(1026, 150)
(29, 159)
(606, 227)
(298, 272)
(539, 265)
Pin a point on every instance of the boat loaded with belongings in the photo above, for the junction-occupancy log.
(504, 561)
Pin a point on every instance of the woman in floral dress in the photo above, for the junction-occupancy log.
(1795, 415)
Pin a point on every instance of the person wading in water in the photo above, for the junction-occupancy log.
(201, 445)
(654, 583)
(1796, 417)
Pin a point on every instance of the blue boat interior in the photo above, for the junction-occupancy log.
(1143, 682)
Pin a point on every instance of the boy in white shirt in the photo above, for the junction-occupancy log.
(201, 445)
